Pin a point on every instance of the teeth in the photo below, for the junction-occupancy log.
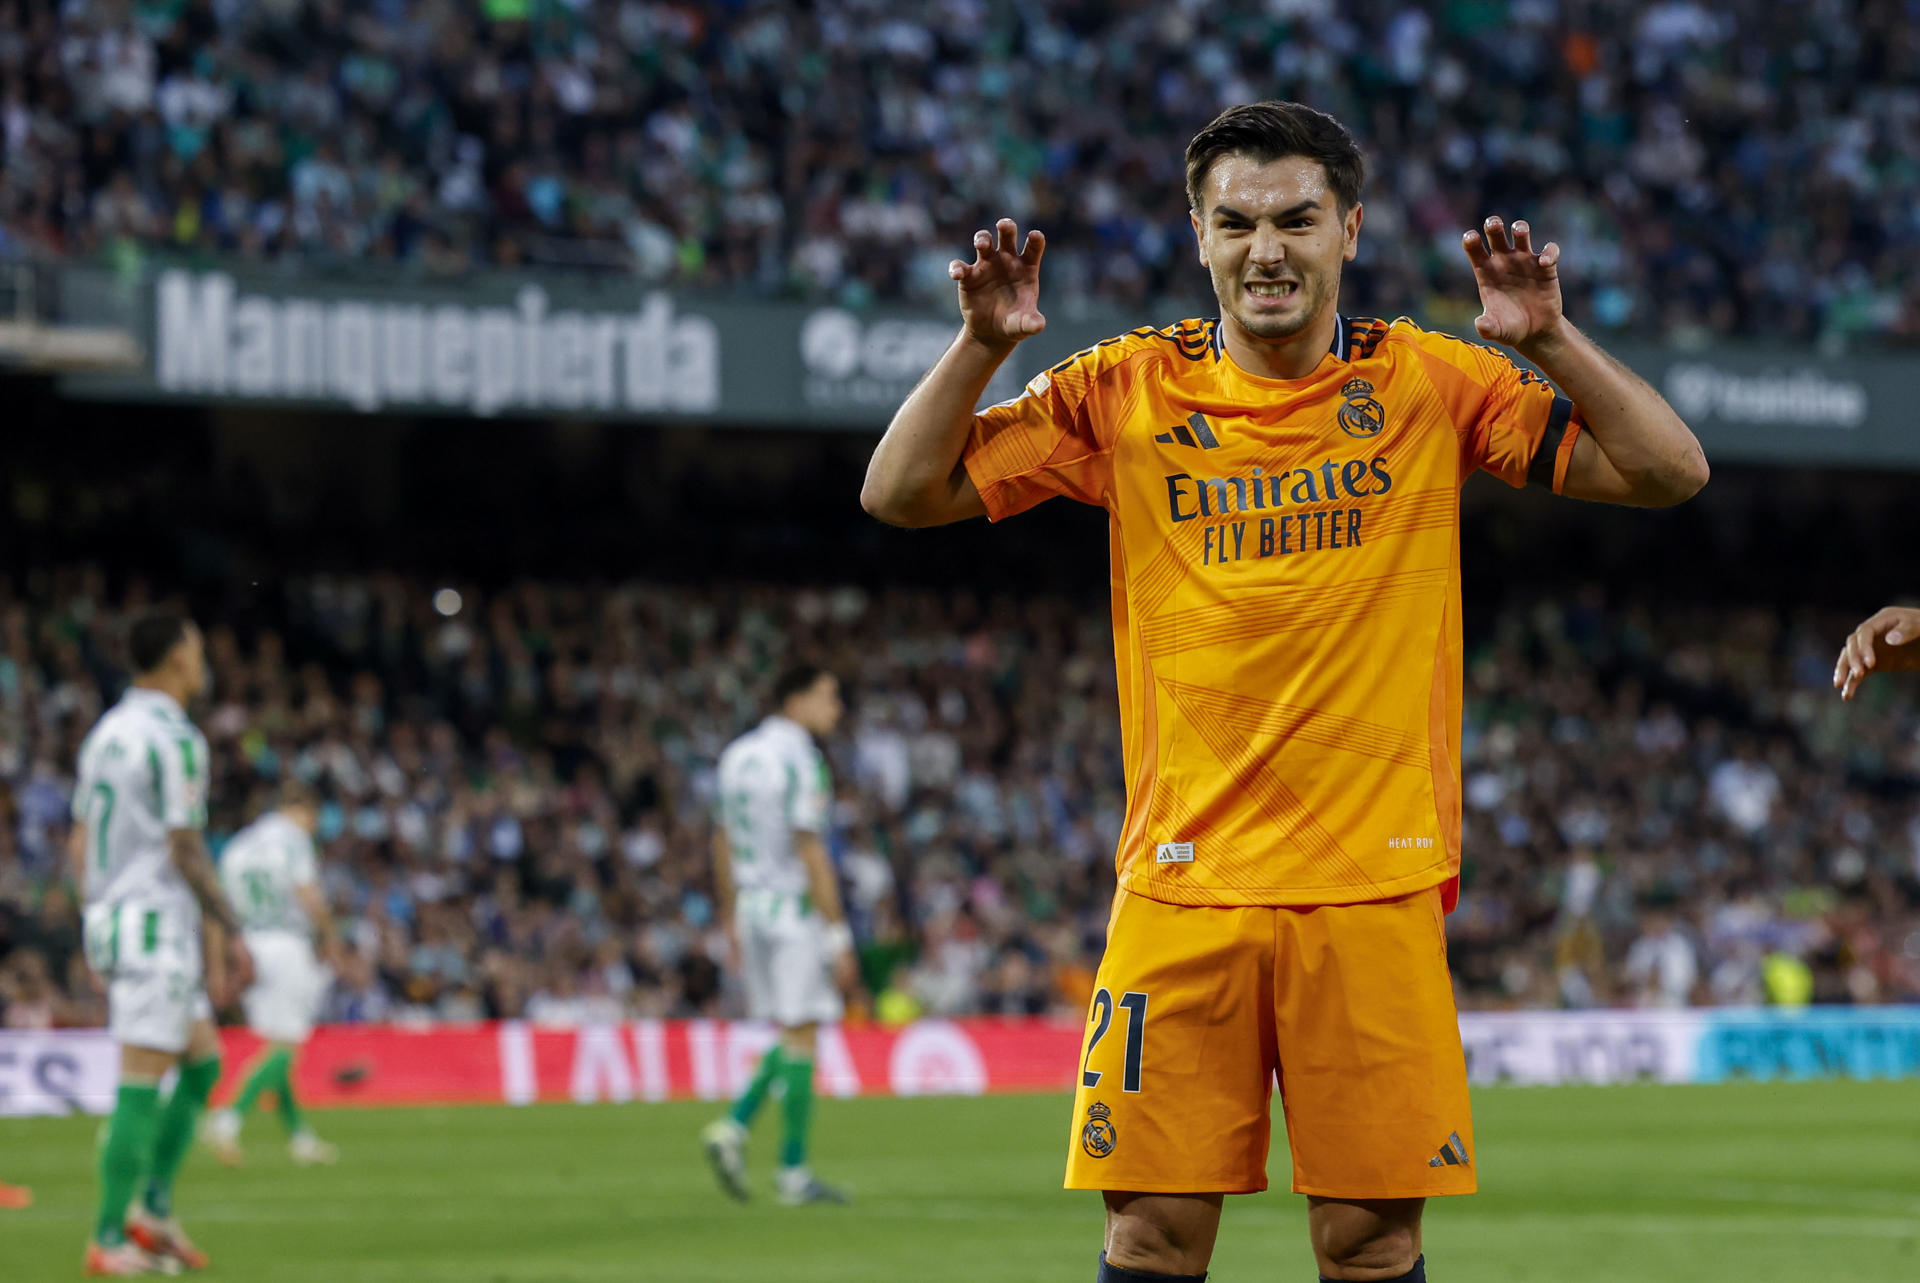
(1270, 290)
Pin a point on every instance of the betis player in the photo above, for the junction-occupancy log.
(159, 930)
(271, 871)
(1282, 486)
(773, 877)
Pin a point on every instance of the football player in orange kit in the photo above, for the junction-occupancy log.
(1283, 491)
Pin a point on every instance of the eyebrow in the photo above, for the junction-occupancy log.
(1281, 217)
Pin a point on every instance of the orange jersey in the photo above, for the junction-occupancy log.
(1286, 592)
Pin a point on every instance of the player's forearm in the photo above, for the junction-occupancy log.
(1646, 442)
(191, 858)
(823, 887)
(314, 903)
(723, 872)
(1649, 445)
(915, 477)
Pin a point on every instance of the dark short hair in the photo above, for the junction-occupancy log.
(794, 679)
(152, 636)
(294, 791)
(1268, 131)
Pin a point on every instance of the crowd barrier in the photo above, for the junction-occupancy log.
(517, 1063)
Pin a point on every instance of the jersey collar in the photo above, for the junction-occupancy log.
(148, 694)
(1342, 349)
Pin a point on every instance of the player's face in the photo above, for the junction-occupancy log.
(818, 708)
(191, 655)
(1274, 239)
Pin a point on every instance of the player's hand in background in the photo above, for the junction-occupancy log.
(846, 974)
(1000, 289)
(1887, 642)
(1519, 286)
(239, 965)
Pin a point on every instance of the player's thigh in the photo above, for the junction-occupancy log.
(288, 983)
(803, 989)
(1177, 1062)
(757, 966)
(153, 1008)
(1371, 1069)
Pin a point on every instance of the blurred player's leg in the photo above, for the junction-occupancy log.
(151, 1223)
(129, 1143)
(281, 1004)
(725, 1139)
(14, 1197)
(796, 1181)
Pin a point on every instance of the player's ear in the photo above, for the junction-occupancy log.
(1199, 238)
(1353, 218)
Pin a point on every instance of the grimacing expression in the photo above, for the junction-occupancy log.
(1273, 237)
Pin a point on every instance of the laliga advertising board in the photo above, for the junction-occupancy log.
(512, 1062)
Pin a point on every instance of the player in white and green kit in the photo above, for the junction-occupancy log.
(271, 871)
(776, 883)
(158, 929)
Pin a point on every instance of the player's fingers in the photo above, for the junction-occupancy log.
(1523, 237)
(1496, 232)
(957, 270)
(1550, 256)
(1009, 236)
(1484, 326)
(1476, 247)
(1036, 246)
(1867, 658)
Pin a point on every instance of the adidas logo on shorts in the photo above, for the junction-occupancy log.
(1452, 1154)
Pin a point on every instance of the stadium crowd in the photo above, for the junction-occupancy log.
(1740, 167)
(1661, 809)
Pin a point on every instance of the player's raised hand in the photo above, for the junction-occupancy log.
(1888, 641)
(1000, 289)
(1519, 285)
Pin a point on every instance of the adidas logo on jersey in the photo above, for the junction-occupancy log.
(1196, 431)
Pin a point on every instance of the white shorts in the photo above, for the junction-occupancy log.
(152, 964)
(789, 970)
(156, 1009)
(289, 983)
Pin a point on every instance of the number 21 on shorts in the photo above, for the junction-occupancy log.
(1136, 1005)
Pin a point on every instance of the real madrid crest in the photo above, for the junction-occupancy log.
(1098, 1137)
(1361, 416)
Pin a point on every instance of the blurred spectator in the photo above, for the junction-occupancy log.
(1661, 966)
(1736, 168)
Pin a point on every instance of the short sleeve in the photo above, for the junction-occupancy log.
(809, 794)
(303, 865)
(181, 754)
(1510, 421)
(1047, 441)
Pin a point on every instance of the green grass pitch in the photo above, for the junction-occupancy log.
(1810, 1183)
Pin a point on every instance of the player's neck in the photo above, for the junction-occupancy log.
(161, 686)
(1294, 357)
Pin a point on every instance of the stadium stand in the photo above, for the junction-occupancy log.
(1663, 807)
(1739, 168)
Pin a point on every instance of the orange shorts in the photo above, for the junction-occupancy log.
(1197, 1012)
